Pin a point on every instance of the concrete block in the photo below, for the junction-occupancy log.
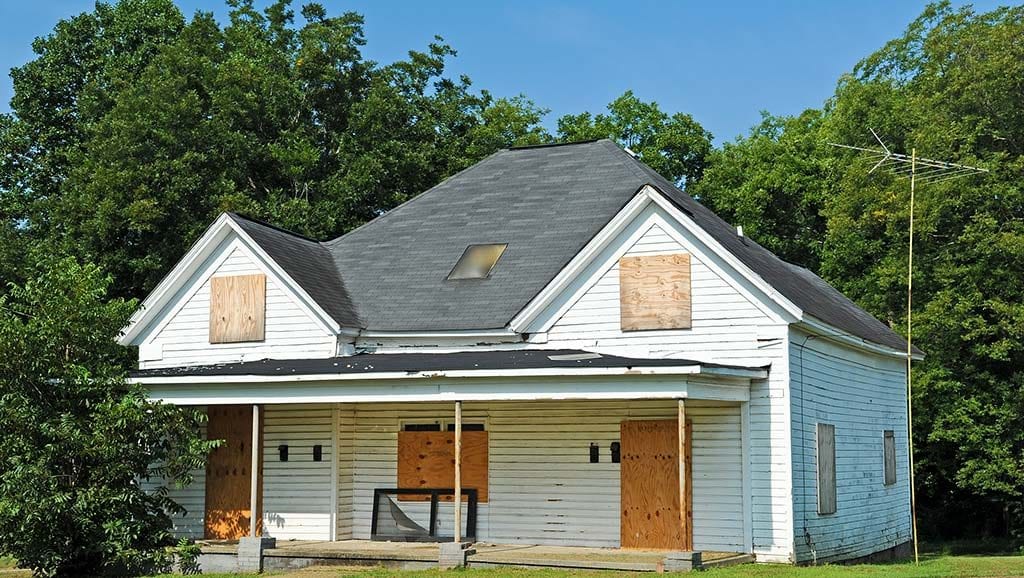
(250, 552)
(682, 561)
(454, 554)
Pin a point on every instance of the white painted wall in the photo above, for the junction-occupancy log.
(863, 395)
(542, 487)
(184, 338)
(731, 325)
(297, 501)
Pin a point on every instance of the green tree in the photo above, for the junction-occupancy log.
(676, 146)
(773, 183)
(133, 128)
(949, 87)
(77, 438)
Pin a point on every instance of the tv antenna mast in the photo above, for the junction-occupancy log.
(920, 171)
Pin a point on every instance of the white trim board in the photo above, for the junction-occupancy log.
(722, 372)
(521, 389)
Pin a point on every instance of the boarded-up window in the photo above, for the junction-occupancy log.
(889, 451)
(654, 292)
(237, 308)
(826, 468)
(426, 459)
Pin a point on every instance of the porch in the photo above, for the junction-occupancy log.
(290, 554)
(577, 457)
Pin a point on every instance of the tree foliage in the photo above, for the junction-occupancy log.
(676, 145)
(951, 87)
(76, 438)
(134, 127)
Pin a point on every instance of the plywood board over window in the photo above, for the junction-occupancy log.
(426, 459)
(238, 306)
(889, 453)
(826, 459)
(654, 292)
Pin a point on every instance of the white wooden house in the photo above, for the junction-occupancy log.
(577, 309)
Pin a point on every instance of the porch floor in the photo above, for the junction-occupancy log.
(362, 552)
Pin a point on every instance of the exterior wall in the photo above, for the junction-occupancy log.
(185, 338)
(728, 327)
(297, 494)
(862, 394)
(542, 487)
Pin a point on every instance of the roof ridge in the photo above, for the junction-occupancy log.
(235, 215)
(554, 144)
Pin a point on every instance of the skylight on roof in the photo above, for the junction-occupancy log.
(477, 261)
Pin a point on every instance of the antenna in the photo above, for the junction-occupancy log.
(920, 171)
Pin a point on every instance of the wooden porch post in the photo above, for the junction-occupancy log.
(681, 425)
(458, 471)
(254, 478)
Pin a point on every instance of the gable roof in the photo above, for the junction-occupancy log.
(546, 202)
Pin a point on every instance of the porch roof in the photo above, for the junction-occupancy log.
(378, 365)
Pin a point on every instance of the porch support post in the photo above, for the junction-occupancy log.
(254, 478)
(681, 425)
(458, 471)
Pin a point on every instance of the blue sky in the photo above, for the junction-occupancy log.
(722, 62)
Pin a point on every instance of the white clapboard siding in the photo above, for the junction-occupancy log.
(290, 332)
(191, 497)
(297, 501)
(862, 395)
(542, 487)
(727, 327)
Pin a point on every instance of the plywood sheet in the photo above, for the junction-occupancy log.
(889, 453)
(651, 517)
(426, 459)
(826, 468)
(238, 306)
(228, 473)
(654, 292)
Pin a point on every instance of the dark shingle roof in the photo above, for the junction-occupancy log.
(546, 203)
(370, 363)
(308, 263)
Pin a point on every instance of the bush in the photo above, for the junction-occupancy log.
(77, 438)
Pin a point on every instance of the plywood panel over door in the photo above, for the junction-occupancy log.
(228, 472)
(651, 515)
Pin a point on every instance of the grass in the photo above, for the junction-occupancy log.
(934, 565)
(956, 560)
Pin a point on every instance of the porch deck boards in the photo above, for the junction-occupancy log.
(486, 554)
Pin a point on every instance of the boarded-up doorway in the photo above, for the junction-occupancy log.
(650, 485)
(228, 472)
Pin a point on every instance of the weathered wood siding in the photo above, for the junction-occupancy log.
(862, 395)
(290, 331)
(727, 327)
(297, 502)
(543, 488)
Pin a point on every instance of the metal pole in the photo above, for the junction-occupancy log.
(910, 295)
(254, 479)
(458, 471)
